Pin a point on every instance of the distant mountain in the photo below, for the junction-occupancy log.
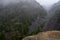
(54, 22)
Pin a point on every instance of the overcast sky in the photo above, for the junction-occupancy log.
(47, 3)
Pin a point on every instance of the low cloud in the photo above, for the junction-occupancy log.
(47, 3)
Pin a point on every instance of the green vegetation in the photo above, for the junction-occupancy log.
(15, 18)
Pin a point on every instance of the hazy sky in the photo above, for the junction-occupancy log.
(47, 3)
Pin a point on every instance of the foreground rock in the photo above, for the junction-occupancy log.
(49, 35)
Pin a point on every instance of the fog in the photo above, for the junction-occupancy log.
(5, 2)
(47, 3)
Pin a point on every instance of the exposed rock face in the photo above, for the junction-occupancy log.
(44, 35)
(54, 22)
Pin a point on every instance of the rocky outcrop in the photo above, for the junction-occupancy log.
(44, 36)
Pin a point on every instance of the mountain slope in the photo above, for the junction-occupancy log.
(54, 22)
(16, 17)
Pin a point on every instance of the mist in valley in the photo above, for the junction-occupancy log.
(47, 4)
